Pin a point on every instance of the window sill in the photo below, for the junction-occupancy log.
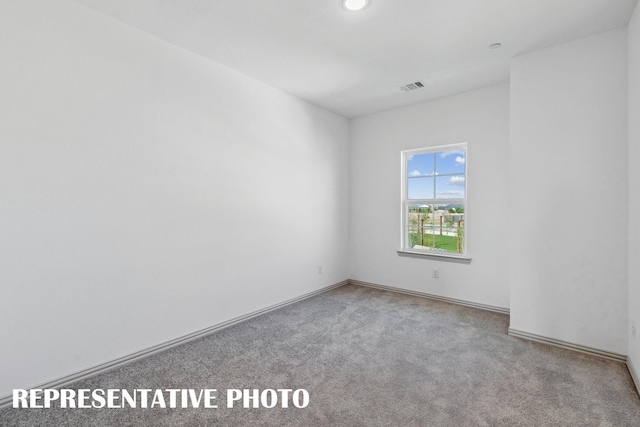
(433, 255)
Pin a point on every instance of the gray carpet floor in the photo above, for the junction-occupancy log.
(370, 358)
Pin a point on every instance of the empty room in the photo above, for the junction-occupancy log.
(319, 212)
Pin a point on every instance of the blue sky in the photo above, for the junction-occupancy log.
(423, 171)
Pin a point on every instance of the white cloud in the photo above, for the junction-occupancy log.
(451, 193)
(456, 180)
(460, 160)
(418, 173)
(445, 154)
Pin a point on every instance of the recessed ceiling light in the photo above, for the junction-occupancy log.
(354, 5)
(495, 46)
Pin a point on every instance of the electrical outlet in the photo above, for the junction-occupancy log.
(319, 269)
(436, 273)
(633, 329)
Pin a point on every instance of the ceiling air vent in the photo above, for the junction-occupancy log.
(411, 86)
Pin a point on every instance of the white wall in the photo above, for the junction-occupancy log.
(480, 118)
(634, 185)
(146, 193)
(568, 192)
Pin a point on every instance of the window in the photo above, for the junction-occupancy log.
(434, 200)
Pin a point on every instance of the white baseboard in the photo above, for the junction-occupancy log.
(514, 332)
(582, 349)
(634, 375)
(495, 309)
(7, 401)
(568, 345)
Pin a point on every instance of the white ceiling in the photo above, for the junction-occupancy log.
(353, 63)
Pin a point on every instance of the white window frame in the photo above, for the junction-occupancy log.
(405, 248)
